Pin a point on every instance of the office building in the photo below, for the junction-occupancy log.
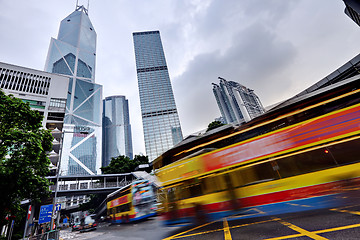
(236, 102)
(160, 118)
(73, 54)
(45, 93)
(352, 9)
(116, 129)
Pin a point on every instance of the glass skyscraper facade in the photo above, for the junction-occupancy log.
(73, 55)
(236, 102)
(116, 129)
(160, 119)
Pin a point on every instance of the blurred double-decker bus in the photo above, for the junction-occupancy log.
(132, 202)
(297, 156)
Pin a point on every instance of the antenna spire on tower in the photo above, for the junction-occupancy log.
(82, 7)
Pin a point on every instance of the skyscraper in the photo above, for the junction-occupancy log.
(161, 123)
(73, 54)
(236, 102)
(352, 9)
(116, 129)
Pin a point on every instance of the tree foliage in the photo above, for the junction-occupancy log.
(123, 164)
(214, 124)
(23, 155)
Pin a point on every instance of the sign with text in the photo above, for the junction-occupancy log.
(46, 212)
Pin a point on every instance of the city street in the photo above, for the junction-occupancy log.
(149, 229)
(337, 223)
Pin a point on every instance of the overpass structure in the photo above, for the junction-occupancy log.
(73, 190)
(89, 184)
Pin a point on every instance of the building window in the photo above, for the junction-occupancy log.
(57, 103)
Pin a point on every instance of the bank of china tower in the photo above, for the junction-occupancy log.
(73, 54)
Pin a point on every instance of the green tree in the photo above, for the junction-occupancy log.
(23, 156)
(123, 164)
(214, 124)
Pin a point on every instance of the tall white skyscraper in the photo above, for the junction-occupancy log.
(73, 54)
(161, 123)
(116, 129)
(236, 102)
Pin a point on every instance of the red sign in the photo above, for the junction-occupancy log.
(29, 212)
(118, 201)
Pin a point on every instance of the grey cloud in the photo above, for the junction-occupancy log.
(257, 59)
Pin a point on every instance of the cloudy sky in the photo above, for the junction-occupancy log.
(276, 47)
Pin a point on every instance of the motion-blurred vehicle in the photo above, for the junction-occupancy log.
(88, 224)
(133, 202)
(301, 155)
(75, 226)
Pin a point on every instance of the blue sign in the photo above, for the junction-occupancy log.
(45, 213)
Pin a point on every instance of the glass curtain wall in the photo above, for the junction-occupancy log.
(161, 123)
(73, 54)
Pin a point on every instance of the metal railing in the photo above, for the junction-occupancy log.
(91, 182)
(89, 185)
(51, 235)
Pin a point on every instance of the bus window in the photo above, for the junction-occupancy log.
(209, 185)
(220, 183)
(267, 171)
(314, 160)
(184, 191)
(195, 190)
(118, 209)
(259, 173)
(345, 153)
(247, 175)
(287, 167)
(236, 178)
(171, 194)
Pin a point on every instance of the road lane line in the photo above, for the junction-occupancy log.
(195, 234)
(220, 229)
(248, 224)
(298, 205)
(345, 211)
(176, 235)
(317, 232)
(300, 230)
(286, 237)
(337, 228)
(227, 233)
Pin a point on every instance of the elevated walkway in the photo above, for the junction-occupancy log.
(92, 184)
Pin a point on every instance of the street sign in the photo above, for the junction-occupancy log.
(57, 207)
(29, 212)
(45, 213)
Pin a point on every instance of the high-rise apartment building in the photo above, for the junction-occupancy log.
(116, 129)
(160, 118)
(236, 102)
(45, 93)
(73, 54)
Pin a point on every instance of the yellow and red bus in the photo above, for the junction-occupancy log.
(132, 202)
(298, 156)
